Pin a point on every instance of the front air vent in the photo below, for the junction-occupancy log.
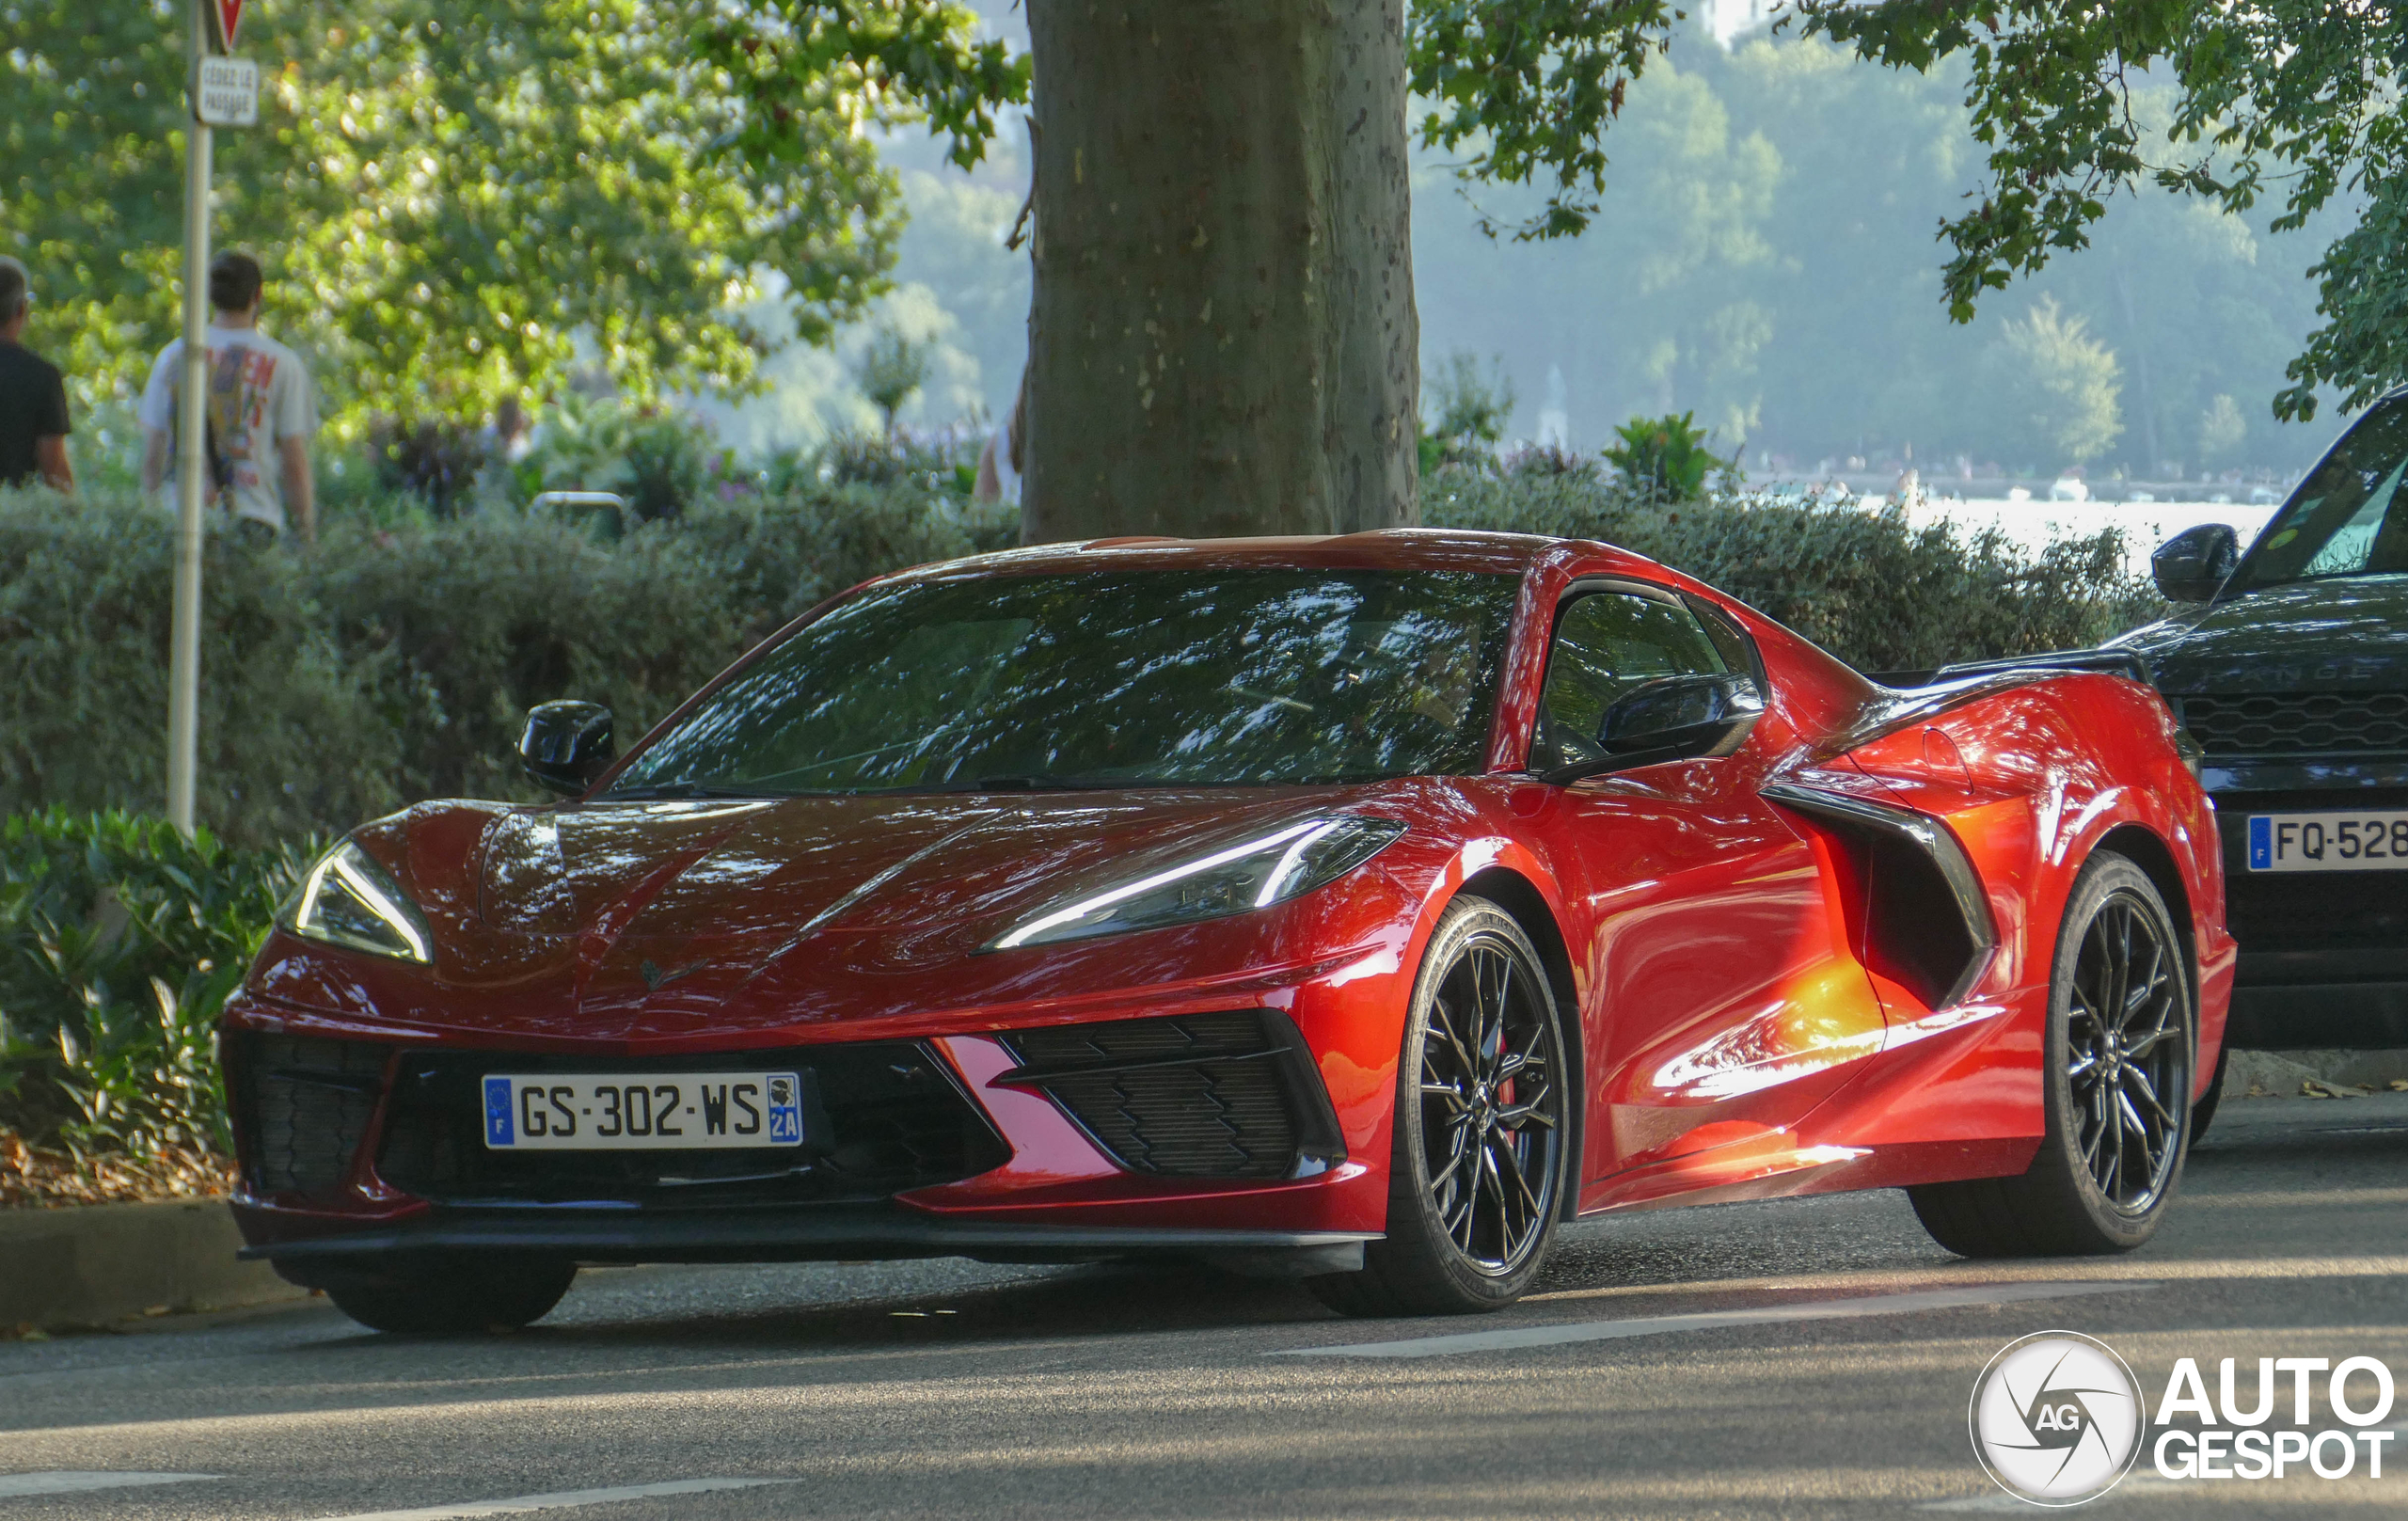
(1222, 1095)
(1923, 920)
(2298, 724)
(303, 1108)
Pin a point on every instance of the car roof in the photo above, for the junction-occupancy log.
(1395, 548)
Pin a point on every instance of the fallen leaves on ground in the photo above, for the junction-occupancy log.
(2315, 1089)
(35, 1179)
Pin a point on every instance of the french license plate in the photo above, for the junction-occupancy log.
(2374, 841)
(640, 1111)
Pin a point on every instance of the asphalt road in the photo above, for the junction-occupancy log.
(952, 1389)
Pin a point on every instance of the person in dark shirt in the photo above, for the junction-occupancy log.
(33, 396)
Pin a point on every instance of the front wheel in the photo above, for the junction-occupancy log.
(2117, 1059)
(453, 1297)
(1475, 1174)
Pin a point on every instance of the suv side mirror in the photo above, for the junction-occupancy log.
(566, 745)
(2190, 566)
(1680, 715)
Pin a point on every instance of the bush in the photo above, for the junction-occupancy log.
(120, 941)
(1867, 586)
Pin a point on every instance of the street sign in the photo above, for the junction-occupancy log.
(230, 15)
(229, 95)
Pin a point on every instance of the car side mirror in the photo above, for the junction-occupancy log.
(2190, 566)
(1680, 715)
(566, 745)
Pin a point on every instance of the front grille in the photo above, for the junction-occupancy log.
(2298, 724)
(1227, 1095)
(889, 1116)
(303, 1107)
(2341, 910)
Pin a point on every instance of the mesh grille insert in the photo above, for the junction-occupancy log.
(308, 1105)
(1222, 1095)
(2298, 724)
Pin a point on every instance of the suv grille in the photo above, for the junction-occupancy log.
(1229, 1095)
(2298, 724)
(302, 1108)
(889, 1116)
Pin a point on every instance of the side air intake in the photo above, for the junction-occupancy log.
(1924, 921)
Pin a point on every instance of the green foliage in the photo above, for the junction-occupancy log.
(2055, 389)
(2296, 93)
(445, 196)
(658, 458)
(120, 941)
(1665, 458)
(892, 368)
(1533, 84)
(1766, 259)
(1472, 411)
(397, 663)
(1870, 587)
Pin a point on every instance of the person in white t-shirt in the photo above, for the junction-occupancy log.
(260, 410)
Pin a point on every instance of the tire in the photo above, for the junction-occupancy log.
(1482, 1085)
(454, 1296)
(2095, 1187)
(2203, 1113)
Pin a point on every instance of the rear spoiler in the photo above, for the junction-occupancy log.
(2120, 662)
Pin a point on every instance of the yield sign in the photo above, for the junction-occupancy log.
(230, 15)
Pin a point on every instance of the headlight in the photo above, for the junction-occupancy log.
(348, 899)
(1268, 869)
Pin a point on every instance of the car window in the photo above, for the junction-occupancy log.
(1172, 677)
(2346, 518)
(1605, 643)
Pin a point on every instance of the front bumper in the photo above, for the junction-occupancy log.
(2323, 960)
(806, 1233)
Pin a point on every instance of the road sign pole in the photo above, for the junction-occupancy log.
(183, 652)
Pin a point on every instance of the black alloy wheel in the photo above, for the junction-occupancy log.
(2116, 1065)
(1477, 1171)
(2128, 1060)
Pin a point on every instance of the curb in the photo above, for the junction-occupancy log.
(96, 1263)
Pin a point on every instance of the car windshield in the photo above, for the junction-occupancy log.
(1217, 677)
(2347, 518)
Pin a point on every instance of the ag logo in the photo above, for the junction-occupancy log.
(2057, 1418)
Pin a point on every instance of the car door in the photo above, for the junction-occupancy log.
(1725, 1001)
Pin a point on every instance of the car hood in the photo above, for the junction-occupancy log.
(681, 918)
(2348, 634)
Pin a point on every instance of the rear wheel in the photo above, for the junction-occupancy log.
(1476, 1173)
(2117, 1068)
(455, 1297)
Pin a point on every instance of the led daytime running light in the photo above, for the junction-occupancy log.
(378, 902)
(1299, 833)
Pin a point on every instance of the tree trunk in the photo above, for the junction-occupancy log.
(1223, 337)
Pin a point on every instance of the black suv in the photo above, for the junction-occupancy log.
(2290, 666)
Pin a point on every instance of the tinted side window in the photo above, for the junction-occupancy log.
(1606, 642)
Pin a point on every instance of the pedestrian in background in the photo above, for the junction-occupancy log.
(260, 412)
(1005, 456)
(33, 395)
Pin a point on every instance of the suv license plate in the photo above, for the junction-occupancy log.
(642, 1111)
(2329, 842)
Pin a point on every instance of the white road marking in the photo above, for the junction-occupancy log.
(564, 1499)
(1821, 1310)
(71, 1481)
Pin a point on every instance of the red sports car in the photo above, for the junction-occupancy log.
(1350, 908)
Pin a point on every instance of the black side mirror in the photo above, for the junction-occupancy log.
(567, 745)
(2190, 566)
(1679, 715)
